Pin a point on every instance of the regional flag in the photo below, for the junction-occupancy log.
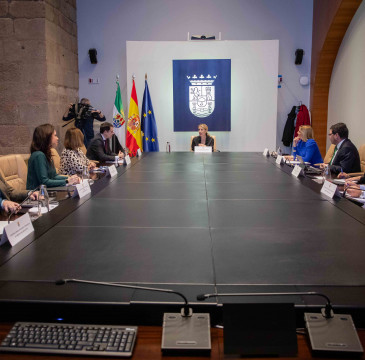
(149, 128)
(133, 140)
(118, 116)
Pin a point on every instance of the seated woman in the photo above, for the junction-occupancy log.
(41, 170)
(204, 139)
(305, 146)
(72, 158)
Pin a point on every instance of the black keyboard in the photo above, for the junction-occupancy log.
(70, 339)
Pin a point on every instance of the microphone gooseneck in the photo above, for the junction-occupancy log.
(28, 196)
(186, 311)
(327, 312)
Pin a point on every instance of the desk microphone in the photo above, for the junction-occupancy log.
(327, 312)
(30, 193)
(181, 332)
(185, 311)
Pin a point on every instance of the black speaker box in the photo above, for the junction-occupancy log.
(92, 55)
(299, 56)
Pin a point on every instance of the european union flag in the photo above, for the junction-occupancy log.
(149, 128)
(202, 94)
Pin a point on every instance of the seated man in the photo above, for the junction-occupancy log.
(345, 157)
(99, 148)
(8, 194)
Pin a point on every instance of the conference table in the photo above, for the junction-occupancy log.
(193, 223)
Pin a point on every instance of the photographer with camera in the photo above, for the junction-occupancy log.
(84, 115)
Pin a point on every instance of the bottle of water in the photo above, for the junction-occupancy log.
(168, 147)
(279, 152)
(43, 199)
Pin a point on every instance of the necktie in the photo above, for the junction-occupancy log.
(106, 147)
(334, 153)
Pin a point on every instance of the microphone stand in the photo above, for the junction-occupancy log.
(181, 332)
(327, 312)
(28, 196)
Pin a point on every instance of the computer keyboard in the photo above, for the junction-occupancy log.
(70, 339)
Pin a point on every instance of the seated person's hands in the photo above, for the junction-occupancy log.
(74, 179)
(202, 145)
(92, 165)
(34, 196)
(289, 157)
(354, 192)
(342, 175)
(120, 155)
(11, 206)
(322, 166)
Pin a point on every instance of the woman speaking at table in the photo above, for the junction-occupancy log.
(41, 170)
(204, 139)
(305, 146)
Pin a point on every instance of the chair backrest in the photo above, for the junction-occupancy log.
(14, 170)
(56, 159)
(213, 136)
(329, 154)
(362, 157)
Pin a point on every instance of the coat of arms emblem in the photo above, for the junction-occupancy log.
(201, 95)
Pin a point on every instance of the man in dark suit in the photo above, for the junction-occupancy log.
(99, 147)
(9, 196)
(345, 157)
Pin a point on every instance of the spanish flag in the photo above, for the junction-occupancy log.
(133, 140)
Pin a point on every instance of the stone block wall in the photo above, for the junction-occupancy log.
(38, 68)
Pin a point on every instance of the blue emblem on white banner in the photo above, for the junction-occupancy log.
(202, 94)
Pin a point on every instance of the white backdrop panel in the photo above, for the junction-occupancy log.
(254, 71)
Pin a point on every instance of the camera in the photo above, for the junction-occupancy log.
(82, 111)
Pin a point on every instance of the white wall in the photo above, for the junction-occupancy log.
(347, 89)
(107, 24)
(254, 67)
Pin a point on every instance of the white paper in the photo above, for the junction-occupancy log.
(17, 230)
(279, 159)
(296, 171)
(329, 189)
(127, 160)
(82, 190)
(112, 171)
(139, 152)
(203, 149)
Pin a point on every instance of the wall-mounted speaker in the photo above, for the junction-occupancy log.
(299, 56)
(92, 55)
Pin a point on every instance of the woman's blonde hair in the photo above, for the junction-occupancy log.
(204, 126)
(307, 132)
(74, 139)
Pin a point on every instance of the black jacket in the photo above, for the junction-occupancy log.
(347, 159)
(289, 128)
(209, 141)
(96, 150)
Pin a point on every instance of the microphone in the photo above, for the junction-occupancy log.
(28, 196)
(185, 311)
(181, 332)
(327, 312)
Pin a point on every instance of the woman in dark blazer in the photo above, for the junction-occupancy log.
(204, 139)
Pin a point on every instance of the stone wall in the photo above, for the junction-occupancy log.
(38, 68)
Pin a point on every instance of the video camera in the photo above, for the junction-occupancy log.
(82, 111)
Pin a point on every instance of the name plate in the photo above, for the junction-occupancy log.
(127, 160)
(203, 149)
(139, 152)
(112, 171)
(16, 231)
(279, 159)
(329, 189)
(266, 152)
(297, 171)
(82, 189)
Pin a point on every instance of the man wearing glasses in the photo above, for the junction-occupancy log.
(345, 156)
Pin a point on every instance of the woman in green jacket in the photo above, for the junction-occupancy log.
(41, 170)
